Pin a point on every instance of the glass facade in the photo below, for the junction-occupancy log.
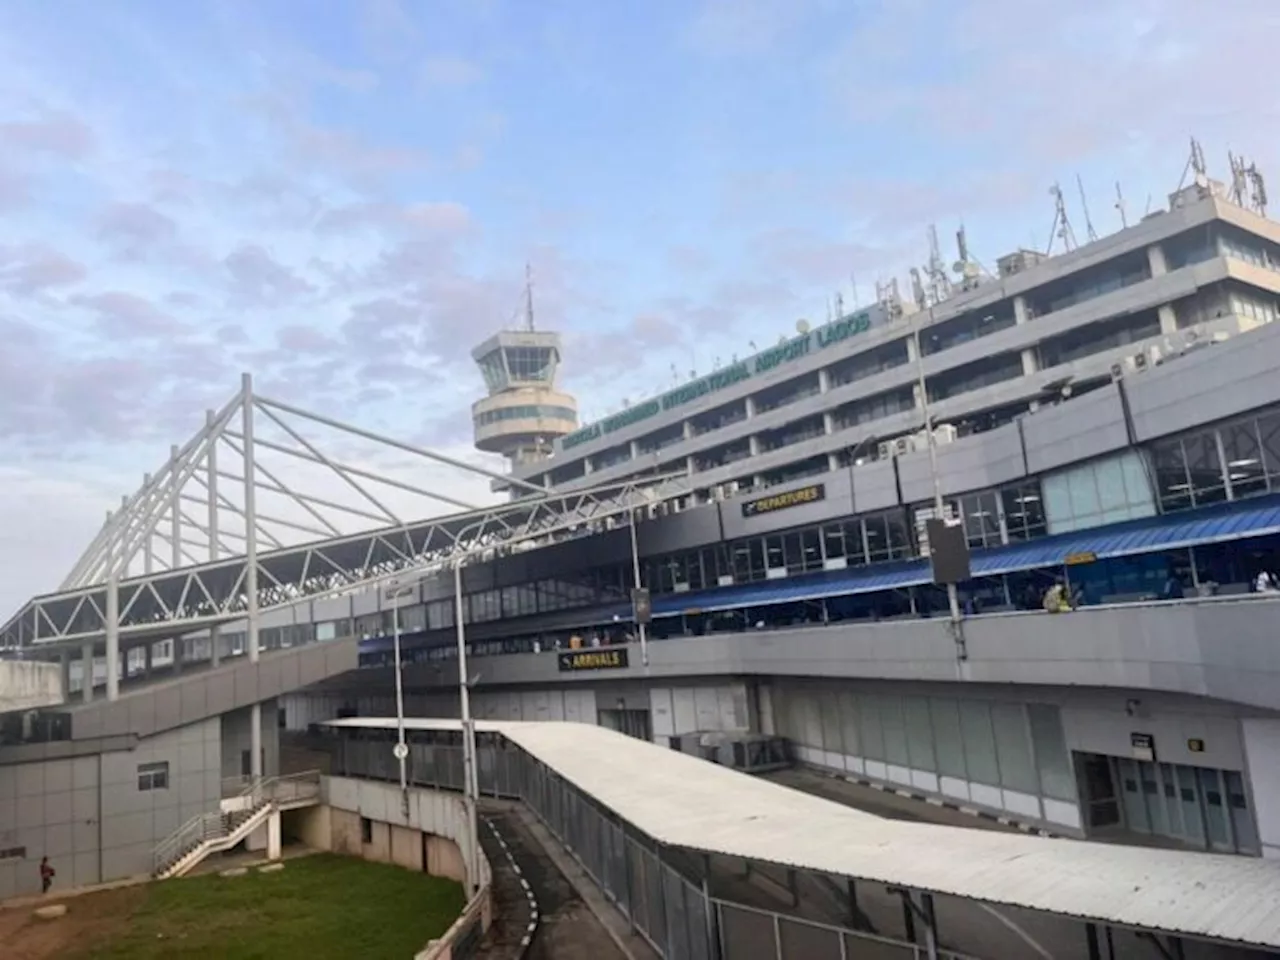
(1237, 459)
(1105, 491)
(527, 412)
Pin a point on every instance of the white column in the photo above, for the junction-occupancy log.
(113, 636)
(273, 836)
(149, 548)
(1156, 261)
(86, 661)
(1168, 319)
(175, 514)
(211, 460)
(251, 566)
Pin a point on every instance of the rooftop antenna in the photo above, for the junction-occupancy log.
(965, 266)
(839, 305)
(1124, 219)
(1248, 188)
(939, 284)
(1084, 204)
(853, 280)
(1061, 228)
(1195, 165)
(528, 297)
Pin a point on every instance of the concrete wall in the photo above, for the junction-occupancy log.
(88, 815)
(186, 699)
(25, 685)
(1224, 649)
(432, 838)
(237, 734)
(1006, 749)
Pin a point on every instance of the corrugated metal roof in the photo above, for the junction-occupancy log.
(682, 801)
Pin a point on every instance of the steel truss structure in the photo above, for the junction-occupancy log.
(192, 548)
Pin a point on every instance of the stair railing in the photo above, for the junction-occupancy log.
(204, 826)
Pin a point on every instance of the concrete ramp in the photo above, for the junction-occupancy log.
(25, 685)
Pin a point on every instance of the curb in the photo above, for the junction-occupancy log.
(532, 928)
(947, 805)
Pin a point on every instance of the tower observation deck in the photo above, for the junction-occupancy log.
(524, 412)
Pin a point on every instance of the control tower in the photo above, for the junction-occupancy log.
(523, 413)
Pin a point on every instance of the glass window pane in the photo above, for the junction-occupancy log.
(1054, 763)
(1171, 475)
(915, 712)
(1244, 459)
(1017, 770)
(949, 743)
(1204, 468)
(833, 541)
(1269, 430)
(979, 742)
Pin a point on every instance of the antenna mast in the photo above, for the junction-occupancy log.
(1124, 219)
(1084, 203)
(1061, 228)
(528, 298)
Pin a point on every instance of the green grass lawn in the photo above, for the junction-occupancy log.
(317, 907)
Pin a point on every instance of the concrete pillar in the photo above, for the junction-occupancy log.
(911, 349)
(1168, 319)
(179, 649)
(113, 638)
(215, 642)
(1155, 259)
(86, 665)
(64, 671)
(833, 461)
(1020, 313)
(148, 655)
(828, 423)
(750, 404)
(633, 449)
(1029, 364)
(824, 380)
(255, 741)
(273, 836)
(754, 442)
(687, 427)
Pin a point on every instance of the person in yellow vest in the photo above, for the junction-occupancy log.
(575, 642)
(1056, 598)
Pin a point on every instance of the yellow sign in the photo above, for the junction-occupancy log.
(1074, 559)
(612, 659)
(785, 501)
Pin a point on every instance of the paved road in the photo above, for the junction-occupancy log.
(567, 929)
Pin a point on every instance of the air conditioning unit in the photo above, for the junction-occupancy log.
(731, 488)
(717, 493)
(945, 433)
(885, 449)
(903, 445)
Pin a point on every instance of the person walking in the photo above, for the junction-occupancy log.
(47, 873)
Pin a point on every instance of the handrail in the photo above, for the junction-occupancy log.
(199, 828)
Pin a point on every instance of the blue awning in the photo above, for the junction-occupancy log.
(1219, 524)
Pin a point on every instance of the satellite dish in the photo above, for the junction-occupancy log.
(802, 326)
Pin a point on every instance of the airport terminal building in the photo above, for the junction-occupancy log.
(1108, 418)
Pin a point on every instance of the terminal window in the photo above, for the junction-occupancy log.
(153, 776)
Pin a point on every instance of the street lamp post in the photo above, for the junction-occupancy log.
(470, 777)
(394, 591)
(939, 508)
(641, 629)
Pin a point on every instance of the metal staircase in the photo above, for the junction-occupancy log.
(240, 815)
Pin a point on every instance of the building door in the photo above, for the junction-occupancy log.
(1198, 806)
(1094, 774)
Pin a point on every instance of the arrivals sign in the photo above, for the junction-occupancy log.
(575, 661)
(785, 501)
(825, 336)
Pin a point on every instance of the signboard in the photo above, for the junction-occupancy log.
(825, 336)
(785, 501)
(948, 551)
(1143, 746)
(1195, 745)
(1074, 559)
(575, 661)
(641, 605)
(13, 853)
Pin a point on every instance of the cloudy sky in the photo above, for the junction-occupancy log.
(341, 197)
